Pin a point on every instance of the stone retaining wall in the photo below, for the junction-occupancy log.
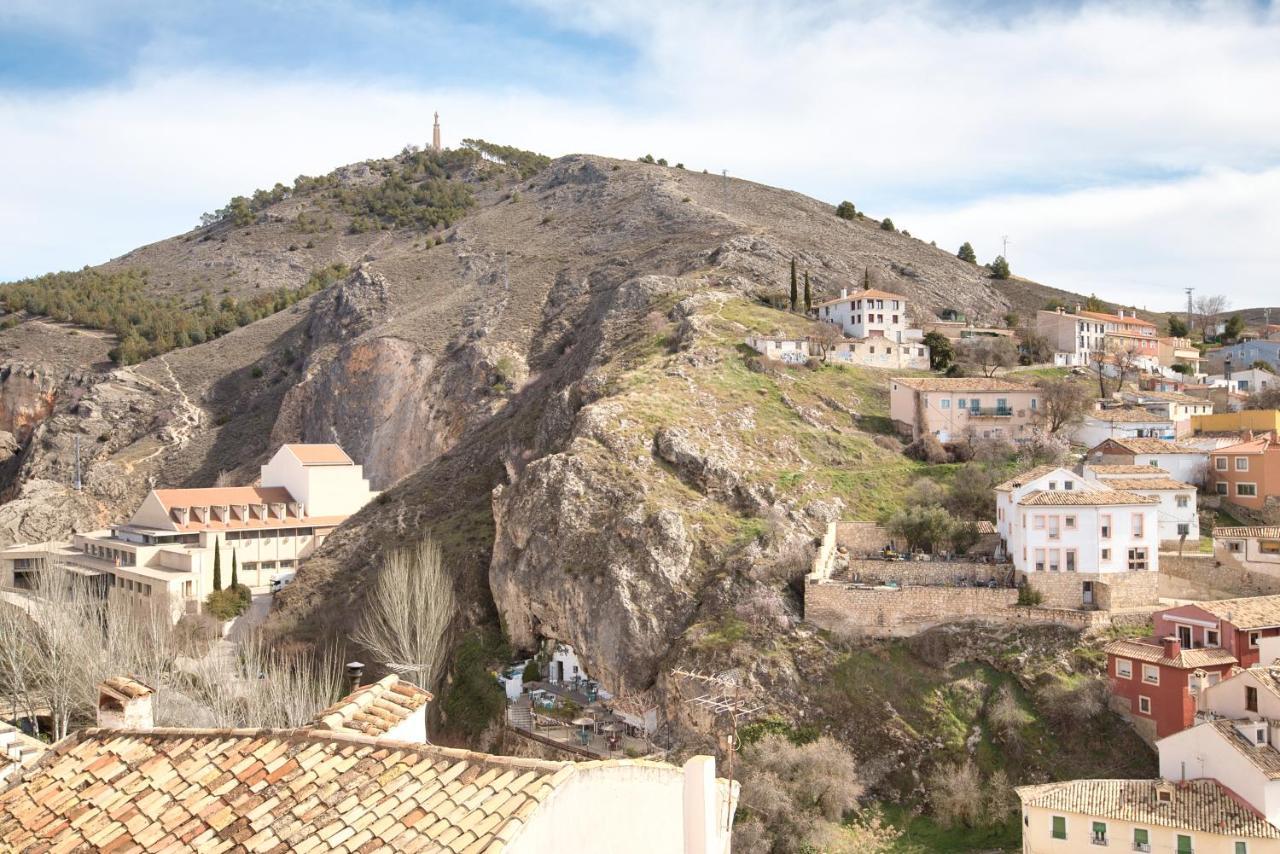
(1112, 591)
(924, 573)
(1216, 576)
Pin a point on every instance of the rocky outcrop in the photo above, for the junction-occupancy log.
(45, 510)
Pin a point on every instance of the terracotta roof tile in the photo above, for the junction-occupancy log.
(1026, 477)
(1153, 652)
(1154, 446)
(1199, 805)
(1269, 532)
(961, 384)
(1126, 416)
(373, 709)
(1152, 483)
(1125, 469)
(1082, 498)
(1250, 612)
(320, 455)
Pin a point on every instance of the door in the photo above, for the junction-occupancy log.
(1184, 636)
(1088, 593)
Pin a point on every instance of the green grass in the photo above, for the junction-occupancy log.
(922, 833)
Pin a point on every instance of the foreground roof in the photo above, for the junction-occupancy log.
(1127, 416)
(1152, 483)
(1082, 498)
(374, 709)
(258, 790)
(17, 750)
(1249, 612)
(1269, 532)
(1201, 805)
(961, 384)
(1154, 446)
(1153, 652)
(1027, 476)
(1125, 469)
(871, 293)
(1264, 757)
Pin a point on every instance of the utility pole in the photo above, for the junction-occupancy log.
(724, 173)
(1004, 242)
(1189, 291)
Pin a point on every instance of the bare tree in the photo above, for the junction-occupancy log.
(988, 353)
(1063, 402)
(1126, 360)
(1205, 311)
(823, 336)
(408, 613)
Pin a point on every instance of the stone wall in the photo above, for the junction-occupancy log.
(923, 573)
(1216, 576)
(906, 611)
(1114, 591)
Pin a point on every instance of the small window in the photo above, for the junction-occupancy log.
(1247, 489)
(1184, 844)
(1250, 698)
(1106, 554)
(1124, 668)
(1242, 848)
(1070, 521)
(1151, 674)
(1220, 463)
(1059, 827)
(1141, 839)
(962, 403)
(1104, 530)
(1183, 501)
(1220, 487)
(1144, 705)
(1242, 463)
(1184, 529)
(1210, 637)
(1253, 640)
(1099, 833)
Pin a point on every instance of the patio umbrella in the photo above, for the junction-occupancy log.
(583, 721)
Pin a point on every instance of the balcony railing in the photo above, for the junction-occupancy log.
(991, 412)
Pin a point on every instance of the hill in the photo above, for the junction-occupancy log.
(542, 365)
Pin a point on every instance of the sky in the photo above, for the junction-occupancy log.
(1127, 149)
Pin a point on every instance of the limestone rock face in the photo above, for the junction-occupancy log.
(581, 556)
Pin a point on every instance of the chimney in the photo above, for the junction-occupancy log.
(844, 292)
(1172, 647)
(1078, 307)
(703, 807)
(355, 671)
(124, 703)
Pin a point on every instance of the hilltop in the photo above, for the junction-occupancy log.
(541, 364)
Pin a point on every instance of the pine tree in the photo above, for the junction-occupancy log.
(999, 268)
(966, 253)
(808, 294)
(235, 579)
(795, 296)
(217, 567)
(866, 278)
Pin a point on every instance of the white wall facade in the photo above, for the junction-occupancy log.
(1201, 751)
(878, 315)
(1038, 826)
(1188, 468)
(1092, 431)
(1034, 547)
(324, 490)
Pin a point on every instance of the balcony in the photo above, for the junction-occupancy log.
(991, 412)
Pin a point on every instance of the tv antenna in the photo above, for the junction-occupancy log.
(1189, 292)
(1004, 242)
(726, 700)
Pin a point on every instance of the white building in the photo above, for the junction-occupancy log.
(875, 352)
(1178, 408)
(1101, 424)
(1179, 460)
(1047, 477)
(1177, 510)
(167, 547)
(793, 351)
(1250, 381)
(1071, 336)
(868, 314)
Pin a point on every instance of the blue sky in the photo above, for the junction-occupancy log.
(1129, 149)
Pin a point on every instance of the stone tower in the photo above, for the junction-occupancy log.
(435, 134)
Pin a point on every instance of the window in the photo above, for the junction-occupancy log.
(973, 404)
(1210, 637)
(1053, 560)
(1039, 560)
(1053, 527)
(1105, 529)
(1182, 501)
(1059, 830)
(1249, 489)
(1124, 668)
(1184, 529)
(1184, 636)
(1071, 560)
(1137, 559)
(1250, 698)
(962, 403)
(1184, 844)
(946, 403)
(1099, 833)
(1141, 839)
(1070, 521)
(1136, 525)
(1039, 523)
(1220, 487)
(1034, 403)
(1144, 705)
(1242, 848)
(1053, 486)
(1269, 547)
(1242, 463)
(1253, 640)
(1220, 463)
(1151, 674)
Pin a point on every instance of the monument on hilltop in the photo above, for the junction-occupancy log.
(435, 134)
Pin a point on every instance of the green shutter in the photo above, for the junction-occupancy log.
(1099, 830)
(1141, 837)
(1184, 844)
(1059, 827)
(1242, 848)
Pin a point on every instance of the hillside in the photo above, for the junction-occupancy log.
(549, 378)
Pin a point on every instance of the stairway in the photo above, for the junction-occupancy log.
(520, 713)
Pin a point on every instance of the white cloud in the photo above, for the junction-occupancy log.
(959, 126)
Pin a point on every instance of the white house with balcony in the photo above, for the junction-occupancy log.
(869, 314)
(167, 547)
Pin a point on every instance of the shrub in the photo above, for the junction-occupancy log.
(1028, 595)
(532, 673)
(927, 449)
(966, 253)
(648, 158)
(225, 604)
(923, 528)
(889, 443)
(887, 224)
(846, 210)
(526, 163)
(474, 698)
(256, 372)
(999, 268)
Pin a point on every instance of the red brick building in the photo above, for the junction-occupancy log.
(1153, 680)
(1232, 624)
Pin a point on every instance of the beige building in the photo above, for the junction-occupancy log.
(949, 407)
(167, 546)
(1179, 351)
(1199, 816)
(1072, 336)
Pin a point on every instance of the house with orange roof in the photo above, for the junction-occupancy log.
(1248, 474)
(167, 547)
(952, 408)
(1072, 336)
(868, 313)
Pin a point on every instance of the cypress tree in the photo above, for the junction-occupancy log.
(795, 296)
(235, 580)
(808, 294)
(217, 567)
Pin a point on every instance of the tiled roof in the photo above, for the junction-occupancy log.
(872, 293)
(259, 790)
(1199, 805)
(373, 709)
(1249, 612)
(1081, 498)
(1115, 318)
(1026, 477)
(1126, 416)
(130, 689)
(985, 527)
(321, 455)
(17, 750)
(960, 384)
(1264, 757)
(1153, 483)
(1169, 396)
(1155, 446)
(1151, 651)
(1125, 469)
(1269, 532)
(1254, 446)
(217, 496)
